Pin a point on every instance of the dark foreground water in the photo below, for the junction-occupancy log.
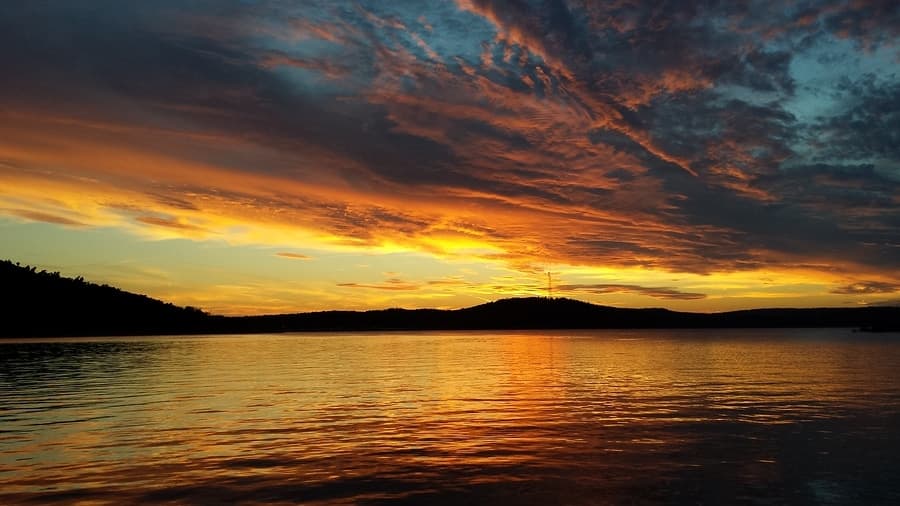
(605, 417)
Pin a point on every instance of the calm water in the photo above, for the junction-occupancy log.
(601, 417)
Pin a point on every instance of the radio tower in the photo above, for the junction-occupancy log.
(549, 285)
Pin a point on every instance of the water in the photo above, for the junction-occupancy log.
(598, 417)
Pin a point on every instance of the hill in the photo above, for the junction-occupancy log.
(40, 303)
(562, 313)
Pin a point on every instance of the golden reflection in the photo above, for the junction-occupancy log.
(245, 412)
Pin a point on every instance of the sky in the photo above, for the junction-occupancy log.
(270, 156)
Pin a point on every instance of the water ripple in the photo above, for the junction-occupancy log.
(649, 417)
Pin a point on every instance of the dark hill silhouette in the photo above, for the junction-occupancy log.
(562, 313)
(40, 303)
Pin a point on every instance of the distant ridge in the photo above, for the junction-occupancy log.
(40, 303)
(561, 313)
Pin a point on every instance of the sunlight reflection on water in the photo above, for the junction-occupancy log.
(800, 416)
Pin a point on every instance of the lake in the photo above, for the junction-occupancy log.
(560, 417)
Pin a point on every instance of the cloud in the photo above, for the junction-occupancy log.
(656, 292)
(887, 303)
(44, 217)
(866, 288)
(292, 256)
(866, 127)
(393, 283)
(871, 22)
(389, 284)
(699, 137)
(174, 223)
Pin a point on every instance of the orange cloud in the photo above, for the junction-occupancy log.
(44, 217)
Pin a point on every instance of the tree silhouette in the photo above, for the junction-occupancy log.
(46, 303)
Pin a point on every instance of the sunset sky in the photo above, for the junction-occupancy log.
(276, 156)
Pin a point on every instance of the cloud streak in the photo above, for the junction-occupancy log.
(293, 256)
(389, 284)
(655, 292)
(867, 288)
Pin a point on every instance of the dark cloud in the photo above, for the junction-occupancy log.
(872, 22)
(850, 191)
(656, 292)
(759, 71)
(867, 127)
(867, 288)
(226, 86)
(887, 303)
